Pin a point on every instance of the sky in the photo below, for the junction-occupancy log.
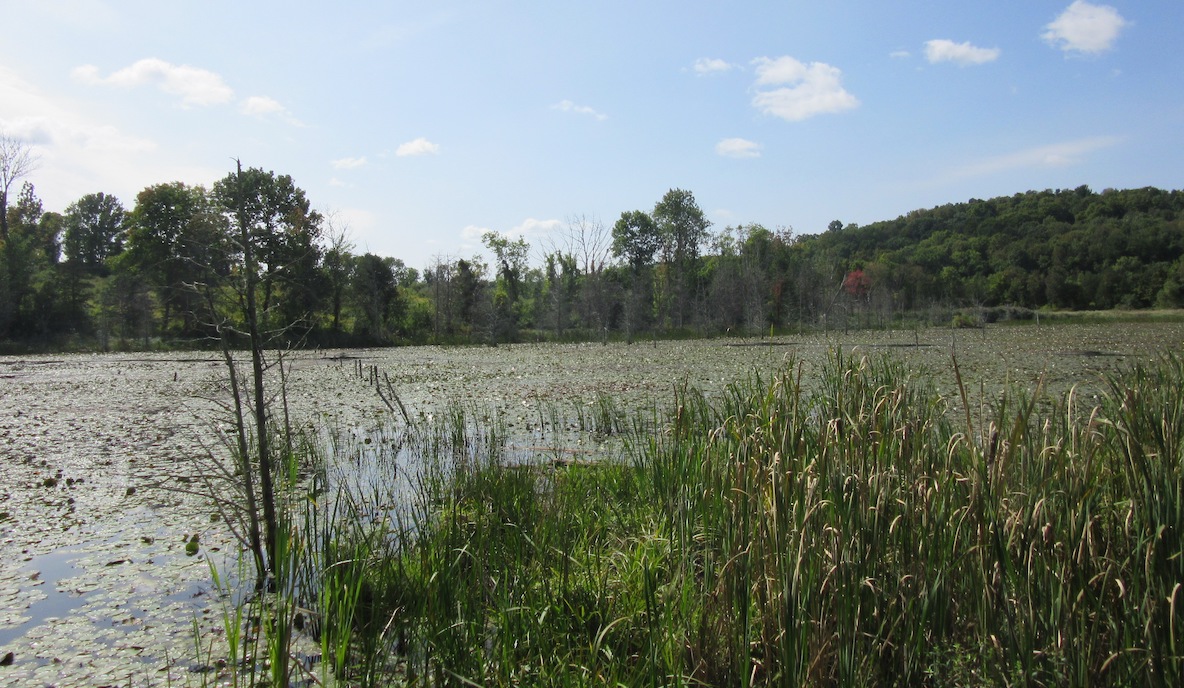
(416, 127)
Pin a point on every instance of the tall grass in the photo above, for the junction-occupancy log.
(858, 534)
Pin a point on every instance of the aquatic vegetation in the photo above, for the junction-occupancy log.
(121, 430)
(849, 532)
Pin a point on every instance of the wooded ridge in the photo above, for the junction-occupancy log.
(100, 276)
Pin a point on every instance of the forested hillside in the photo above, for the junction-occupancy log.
(167, 270)
(1071, 249)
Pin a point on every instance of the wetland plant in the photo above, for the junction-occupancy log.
(858, 534)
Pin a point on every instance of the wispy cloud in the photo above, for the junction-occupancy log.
(471, 234)
(80, 153)
(61, 134)
(193, 85)
(568, 106)
(801, 90)
(418, 146)
(738, 148)
(1085, 28)
(942, 50)
(348, 163)
(33, 131)
(1064, 154)
(260, 106)
(899, 54)
(263, 107)
(704, 66)
(532, 228)
(39, 120)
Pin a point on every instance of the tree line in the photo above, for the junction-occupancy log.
(1070, 249)
(170, 269)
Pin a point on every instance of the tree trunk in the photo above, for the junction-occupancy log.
(263, 446)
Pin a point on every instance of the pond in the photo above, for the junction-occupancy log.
(101, 493)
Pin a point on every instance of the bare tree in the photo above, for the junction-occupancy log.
(16, 162)
(589, 242)
(441, 276)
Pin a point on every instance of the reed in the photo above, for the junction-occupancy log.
(852, 531)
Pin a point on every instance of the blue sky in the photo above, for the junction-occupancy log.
(418, 126)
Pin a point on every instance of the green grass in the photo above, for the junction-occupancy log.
(856, 534)
(1114, 316)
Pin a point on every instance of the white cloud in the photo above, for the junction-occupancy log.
(109, 139)
(942, 50)
(738, 148)
(419, 146)
(471, 234)
(263, 107)
(804, 90)
(334, 181)
(49, 133)
(41, 121)
(348, 163)
(195, 86)
(568, 106)
(1085, 28)
(79, 154)
(260, 106)
(705, 65)
(899, 54)
(534, 229)
(33, 131)
(1064, 154)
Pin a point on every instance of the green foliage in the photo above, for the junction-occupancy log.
(560, 290)
(509, 298)
(682, 226)
(859, 534)
(963, 320)
(1072, 249)
(1051, 250)
(376, 296)
(94, 231)
(30, 297)
(177, 239)
(636, 239)
(682, 229)
(274, 243)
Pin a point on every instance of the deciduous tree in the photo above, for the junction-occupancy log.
(683, 229)
(177, 240)
(94, 231)
(269, 224)
(636, 239)
(510, 258)
(376, 296)
(27, 288)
